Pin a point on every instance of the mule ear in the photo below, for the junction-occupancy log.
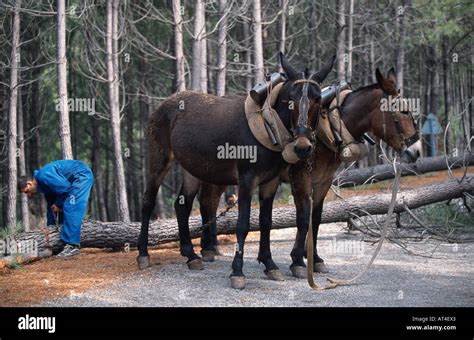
(324, 71)
(392, 76)
(289, 70)
(379, 77)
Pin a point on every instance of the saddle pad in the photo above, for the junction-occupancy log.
(257, 115)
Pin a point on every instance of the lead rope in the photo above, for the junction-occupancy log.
(334, 282)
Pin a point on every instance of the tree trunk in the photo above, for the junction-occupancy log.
(199, 22)
(25, 214)
(282, 27)
(130, 158)
(434, 86)
(341, 38)
(248, 56)
(257, 42)
(118, 234)
(385, 171)
(178, 46)
(64, 127)
(401, 44)
(97, 169)
(222, 49)
(349, 40)
(204, 60)
(113, 82)
(447, 94)
(12, 119)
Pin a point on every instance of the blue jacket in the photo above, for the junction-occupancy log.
(55, 179)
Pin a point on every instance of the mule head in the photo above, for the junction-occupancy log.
(302, 92)
(394, 122)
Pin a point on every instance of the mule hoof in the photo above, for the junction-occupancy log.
(238, 282)
(299, 272)
(208, 255)
(195, 264)
(274, 275)
(320, 267)
(143, 262)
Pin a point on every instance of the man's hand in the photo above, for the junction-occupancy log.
(55, 209)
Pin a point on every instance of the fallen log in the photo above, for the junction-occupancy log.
(383, 172)
(118, 235)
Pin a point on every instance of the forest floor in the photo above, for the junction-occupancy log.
(100, 277)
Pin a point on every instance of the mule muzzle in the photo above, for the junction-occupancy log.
(412, 153)
(303, 148)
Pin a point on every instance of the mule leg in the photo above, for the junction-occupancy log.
(300, 181)
(159, 164)
(209, 198)
(267, 193)
(319, 265)
(246, 187)
(183, 206)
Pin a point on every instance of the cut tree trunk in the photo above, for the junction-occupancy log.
(118, 235)
(385, 171)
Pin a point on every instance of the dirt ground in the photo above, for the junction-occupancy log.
(93, 269)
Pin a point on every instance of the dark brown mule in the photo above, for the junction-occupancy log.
(191, 127)
(361, 113)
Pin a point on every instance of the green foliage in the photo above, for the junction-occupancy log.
(452, 215)
(6, 232)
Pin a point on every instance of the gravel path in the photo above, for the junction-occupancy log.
(396, 279)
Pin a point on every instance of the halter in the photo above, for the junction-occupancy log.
(302, 128)
(405, 142)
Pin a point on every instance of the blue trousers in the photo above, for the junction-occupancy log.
(75, 205)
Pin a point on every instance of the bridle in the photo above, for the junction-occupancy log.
(405, 142)
(302, 128)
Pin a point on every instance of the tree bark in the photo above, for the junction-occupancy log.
(248, 56)
(349, 40)
(97, 169)
(257, 42)
(12, 119)
(197, 45)
(383, 172)
(222, 49)
(434, 86)
(64, 126)
(447, 94)
(341, 38)
(132, 193)
(113, 84)
(204, 60)
(118, 234)
(25, 214)
(178, 46)
(282, 27)
(401, 44)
